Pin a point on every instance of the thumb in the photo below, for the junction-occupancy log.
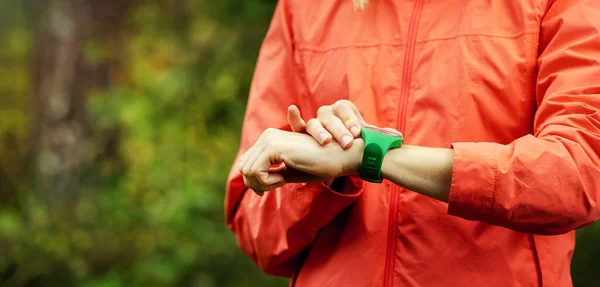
(295, 119)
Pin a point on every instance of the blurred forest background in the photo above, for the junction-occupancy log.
(119, 122)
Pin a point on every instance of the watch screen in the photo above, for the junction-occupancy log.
(387, 131)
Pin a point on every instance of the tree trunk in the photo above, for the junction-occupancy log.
(59, 102)
(62, 77)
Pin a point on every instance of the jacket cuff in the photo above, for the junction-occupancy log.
(345, 185)
(474, 177)
(327, 203)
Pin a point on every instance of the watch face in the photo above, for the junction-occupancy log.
(387, 131)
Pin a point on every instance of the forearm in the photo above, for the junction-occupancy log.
(427, 171)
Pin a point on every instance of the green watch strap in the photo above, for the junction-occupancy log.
(377, 145)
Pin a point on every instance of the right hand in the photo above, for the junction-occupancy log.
(341, 121)
(299, 159)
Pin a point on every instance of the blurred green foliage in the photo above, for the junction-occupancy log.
(162, 135)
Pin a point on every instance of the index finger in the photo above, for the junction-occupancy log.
(349, 117)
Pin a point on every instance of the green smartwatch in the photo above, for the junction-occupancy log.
(377, 143)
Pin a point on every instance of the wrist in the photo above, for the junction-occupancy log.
(390, 163)
(378, 142)
(355, 155)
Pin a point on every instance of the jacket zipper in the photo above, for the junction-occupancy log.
(388, 279)
(388, 274)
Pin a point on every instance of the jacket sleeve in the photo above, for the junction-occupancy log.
(274, 229)
(549, 182)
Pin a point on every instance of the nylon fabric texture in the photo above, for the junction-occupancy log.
(512, 86)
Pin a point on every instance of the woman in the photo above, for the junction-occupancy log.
(499, 104)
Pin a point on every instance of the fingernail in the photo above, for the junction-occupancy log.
(323, 136)
(355, 130)
(346, 140)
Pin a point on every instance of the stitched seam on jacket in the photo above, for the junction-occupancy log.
(536, 258)
(494, 186)
(311, 48)
(521, 34)
(328, 49)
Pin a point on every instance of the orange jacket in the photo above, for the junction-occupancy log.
(512, 86)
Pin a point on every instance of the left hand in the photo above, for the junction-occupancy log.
(341, 121)
(300, 157)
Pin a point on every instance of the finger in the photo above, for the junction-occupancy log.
(243, 159)
(336, 128)
(247, 169)
(261, 192)
(251, 185)
(261, 168)
(324, 112)
(357, 113)
(278, 169)
(274, 186)
(266, 178)
(349, 117)
(318, 132)
(259, 189)
(295, 119)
